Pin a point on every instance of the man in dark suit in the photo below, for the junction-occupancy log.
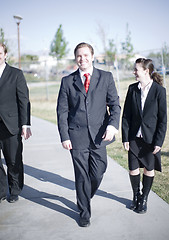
(88, 114)
(14, 122)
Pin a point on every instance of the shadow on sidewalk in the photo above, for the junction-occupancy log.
(46, 176)
(44, 199)
(124, 201)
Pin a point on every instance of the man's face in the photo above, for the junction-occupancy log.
(84, 58)
(2, 55)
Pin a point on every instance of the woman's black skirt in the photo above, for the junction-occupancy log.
(141, 155)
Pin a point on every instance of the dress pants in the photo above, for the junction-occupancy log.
(89, 167)
(12, 150)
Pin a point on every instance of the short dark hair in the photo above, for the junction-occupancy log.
(4, 47)
(83, 44)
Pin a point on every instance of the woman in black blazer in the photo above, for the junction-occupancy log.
(144, 124)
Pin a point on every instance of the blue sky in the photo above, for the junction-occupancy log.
(147, 19)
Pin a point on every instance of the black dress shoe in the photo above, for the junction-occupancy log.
(2, 199)
(13, 198)
(84, 222)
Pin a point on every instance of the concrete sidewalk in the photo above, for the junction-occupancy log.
(47, 206)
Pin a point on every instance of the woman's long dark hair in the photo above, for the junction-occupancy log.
(148, 64)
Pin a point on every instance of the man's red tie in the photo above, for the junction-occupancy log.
(87, 82)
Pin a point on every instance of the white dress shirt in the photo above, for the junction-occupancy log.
(144, 93)
(83, 78)
(2, 67)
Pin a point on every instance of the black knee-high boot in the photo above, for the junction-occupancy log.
(135, 183)
(147, 183)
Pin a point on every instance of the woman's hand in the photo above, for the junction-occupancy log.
(156, 149)
(126, 146)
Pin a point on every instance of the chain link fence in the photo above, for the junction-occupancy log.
(48, 71)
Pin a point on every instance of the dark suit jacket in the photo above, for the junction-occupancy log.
(14, 99)
(153, 118)
(80, 113)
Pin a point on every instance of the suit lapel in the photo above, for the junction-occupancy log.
(138, 99)
(94, 80)
(149, 97)
(78, 82)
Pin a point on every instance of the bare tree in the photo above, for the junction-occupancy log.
(127, 48)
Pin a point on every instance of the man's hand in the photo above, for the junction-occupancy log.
(108, 135)
(156, 149)
(26, 132)
(67, 144)
(126, 146)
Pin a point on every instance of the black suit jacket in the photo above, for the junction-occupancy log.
(153, 118)
(80, 113)
(14, 99)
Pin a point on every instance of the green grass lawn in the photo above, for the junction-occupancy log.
(46, 109)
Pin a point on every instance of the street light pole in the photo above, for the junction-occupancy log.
(18, 20)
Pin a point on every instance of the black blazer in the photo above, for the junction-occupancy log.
(14, 99)
(79, 113)
(153, 118)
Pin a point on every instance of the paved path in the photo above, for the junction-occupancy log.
(47, 210)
